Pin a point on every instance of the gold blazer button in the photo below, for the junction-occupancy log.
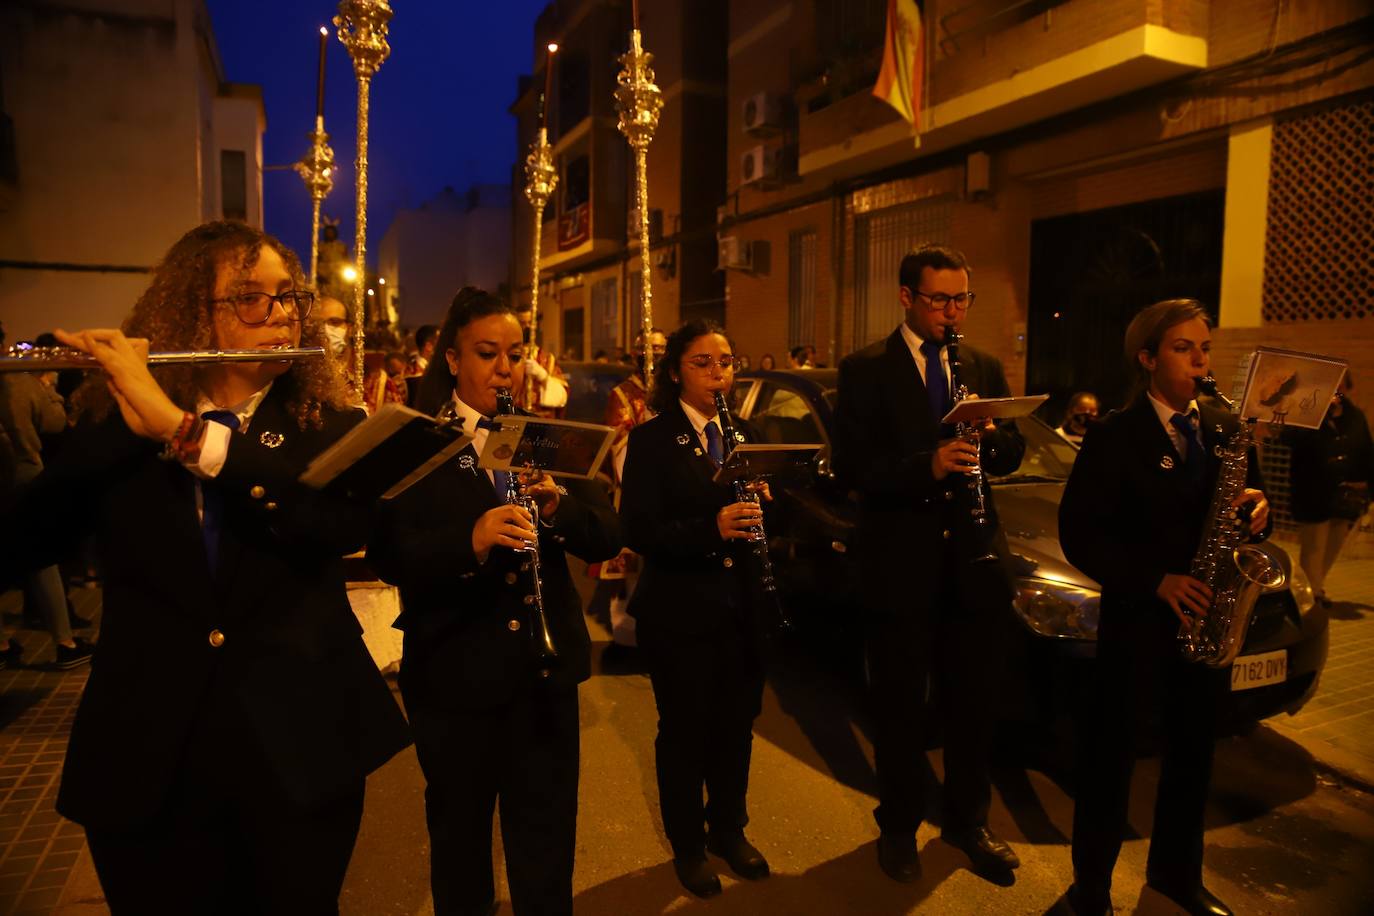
(216, 638)
(510, 578)
(512, 625)
(257, 492)
(946, 534)
(728, 562)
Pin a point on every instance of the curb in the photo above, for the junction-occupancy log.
(1352, 770)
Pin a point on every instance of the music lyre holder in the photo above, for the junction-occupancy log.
(756, 461)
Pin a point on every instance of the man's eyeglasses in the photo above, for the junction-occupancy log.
(938, 302)
(703, 362)
(255, 308)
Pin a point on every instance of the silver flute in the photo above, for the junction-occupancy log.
(54, 359)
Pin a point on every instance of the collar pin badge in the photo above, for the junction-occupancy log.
(1167, 462)
(271, 439)
(465, 462)
(682, 439)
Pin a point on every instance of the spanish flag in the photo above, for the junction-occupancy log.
(899, 80)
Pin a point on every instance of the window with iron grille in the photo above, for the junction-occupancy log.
(605, 315)
(801, 288)
(233, 184)
(881, 239)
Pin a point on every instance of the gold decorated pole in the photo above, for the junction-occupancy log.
(316, 169)
(363, 26)
(541, 178)
(639, 102)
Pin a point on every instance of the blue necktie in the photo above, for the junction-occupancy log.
(937, 389)
(715, 446)
(211, 499)
(1193, 464)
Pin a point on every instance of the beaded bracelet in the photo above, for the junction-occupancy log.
(183, 443)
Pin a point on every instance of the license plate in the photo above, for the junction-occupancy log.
(1257, 670)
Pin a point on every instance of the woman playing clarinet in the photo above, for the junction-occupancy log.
(695, 608)
(494, 716)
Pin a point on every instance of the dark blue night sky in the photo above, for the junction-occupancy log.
(439, 104)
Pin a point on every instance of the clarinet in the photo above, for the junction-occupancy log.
(973, 479)
(541, 637)
(758, 539)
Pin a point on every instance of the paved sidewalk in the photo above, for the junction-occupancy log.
(39, 850)
(1337, 725)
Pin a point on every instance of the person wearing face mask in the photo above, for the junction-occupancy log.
(337, 327)
(491, 727)
(1132, 515)
(697, 607)
(1082, 411)
(219, 754)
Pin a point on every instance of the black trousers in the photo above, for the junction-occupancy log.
(522, 754)
(961, 651)
(708, 690)
(227, 841)
(1141, 675)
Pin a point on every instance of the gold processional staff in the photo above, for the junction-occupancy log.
(541, 178)
(363, 27)
(639, 102)
(316, 169)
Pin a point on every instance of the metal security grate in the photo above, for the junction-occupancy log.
(881, 239)
(1316, 253)
(801, 288)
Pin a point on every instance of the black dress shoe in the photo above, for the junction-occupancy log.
(897, 857)
(1086, 903)
(1193, 899)
(697, 876)
(744, 859)
(984, 849)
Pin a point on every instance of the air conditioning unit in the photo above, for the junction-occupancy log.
(758, 165)
(734, 253)
(762, 114)
(655, 224)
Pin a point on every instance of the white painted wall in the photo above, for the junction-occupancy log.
(114, 110)
(429, 253)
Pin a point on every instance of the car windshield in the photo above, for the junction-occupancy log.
(1048, 457)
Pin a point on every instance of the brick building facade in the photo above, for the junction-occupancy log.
(1089, 157)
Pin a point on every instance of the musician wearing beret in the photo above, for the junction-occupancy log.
(220, 749)
(937, 593)
(1132, 516)
(494, 723)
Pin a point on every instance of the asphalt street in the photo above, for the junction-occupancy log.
(1281, 837)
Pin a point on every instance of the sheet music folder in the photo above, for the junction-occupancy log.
(754, 460)
(559, 448)
(385, 454)
(971, 409)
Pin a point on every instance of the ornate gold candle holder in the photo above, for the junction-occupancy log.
(639, 101)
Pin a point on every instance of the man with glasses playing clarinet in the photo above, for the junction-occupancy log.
(220, 751)
(936, 590)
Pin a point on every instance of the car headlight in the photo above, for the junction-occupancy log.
(1301, 587)
(1056, 610)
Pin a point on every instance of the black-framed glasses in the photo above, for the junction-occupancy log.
(255, 308)
(940, 301)
(703, 362)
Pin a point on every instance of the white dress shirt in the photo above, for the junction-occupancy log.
(214, 448)
(913, 343)
(1166, 413)
(699, 421)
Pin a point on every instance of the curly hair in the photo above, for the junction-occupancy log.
(667, 389)
(176, 313)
